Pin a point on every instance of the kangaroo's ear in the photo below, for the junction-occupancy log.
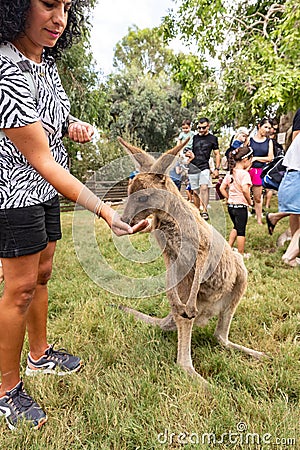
(142, 160)
(166, 160)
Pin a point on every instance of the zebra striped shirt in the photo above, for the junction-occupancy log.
(20, 183)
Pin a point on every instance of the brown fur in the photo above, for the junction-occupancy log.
(205, 278)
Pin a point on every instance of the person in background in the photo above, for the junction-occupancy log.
(240, 138)
(294, 219)
(236, 189)
(278, 151)
(289, 199)
(186, 132)
(199, 172)
(177, 174)
(33, 169)
(132, 175)
(262, 153)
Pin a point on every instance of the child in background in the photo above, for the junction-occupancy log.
(186, 132)
(241, 138)
(236, 189)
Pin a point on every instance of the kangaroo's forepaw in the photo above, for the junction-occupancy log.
(179, 310)
(191, 312)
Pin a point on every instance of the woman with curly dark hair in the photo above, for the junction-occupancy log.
(33, 169)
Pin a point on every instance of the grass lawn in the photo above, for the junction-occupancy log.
(130, 394)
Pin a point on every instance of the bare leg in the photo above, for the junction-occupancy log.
(257, 192)
(1, 272)
(196, 198)
(232, 237)
(294, 223)
(292, 251)
(20, 282)
(269, 194)
(204, 195)
(275, 217)
(38, 309)
(241, 244)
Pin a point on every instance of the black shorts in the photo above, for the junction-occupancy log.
(25, 231)
(239, 217)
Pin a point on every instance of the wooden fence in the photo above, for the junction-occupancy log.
(110, 191)
(116, 192)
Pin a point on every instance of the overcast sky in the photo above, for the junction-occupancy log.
(112, 19)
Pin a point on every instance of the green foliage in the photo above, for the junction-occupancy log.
(145, 49)
(145, 103)
(81, 82)
(90, 157)
(257, 46)
(146, 109)
(188, 70)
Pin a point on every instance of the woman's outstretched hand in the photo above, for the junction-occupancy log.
(117, 225)
(121, 228)
(81, 132)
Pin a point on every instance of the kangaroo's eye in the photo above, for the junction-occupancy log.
(143, 198)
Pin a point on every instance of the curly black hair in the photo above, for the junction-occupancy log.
(13, 18)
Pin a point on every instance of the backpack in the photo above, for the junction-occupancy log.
(273, 173)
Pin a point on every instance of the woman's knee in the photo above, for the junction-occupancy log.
(45, 273)
(20, 293)
(257, 198)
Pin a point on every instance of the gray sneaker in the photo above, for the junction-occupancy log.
(58, 362)
(17, 407)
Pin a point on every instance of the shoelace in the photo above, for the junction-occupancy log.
(61, 353)
(20, 399)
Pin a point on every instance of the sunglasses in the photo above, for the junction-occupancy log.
(202, 128)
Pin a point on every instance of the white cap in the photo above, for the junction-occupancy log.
(242, 130)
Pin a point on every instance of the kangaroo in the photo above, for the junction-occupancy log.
(204, 277)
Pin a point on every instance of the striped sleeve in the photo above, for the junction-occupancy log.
(17, 105)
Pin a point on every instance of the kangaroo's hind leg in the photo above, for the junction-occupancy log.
(184, 358)
(230, 302)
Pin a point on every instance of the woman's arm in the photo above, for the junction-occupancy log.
(32, 142)
(268, 158)
(246, 192)
(224, 189)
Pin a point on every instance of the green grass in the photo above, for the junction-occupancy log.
(130, 393)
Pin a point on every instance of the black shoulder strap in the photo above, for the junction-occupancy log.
(25, 67)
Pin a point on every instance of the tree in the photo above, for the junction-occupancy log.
(145, 104)
(145, 109)
(145, 49)
(257, 46)
(88, 98)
